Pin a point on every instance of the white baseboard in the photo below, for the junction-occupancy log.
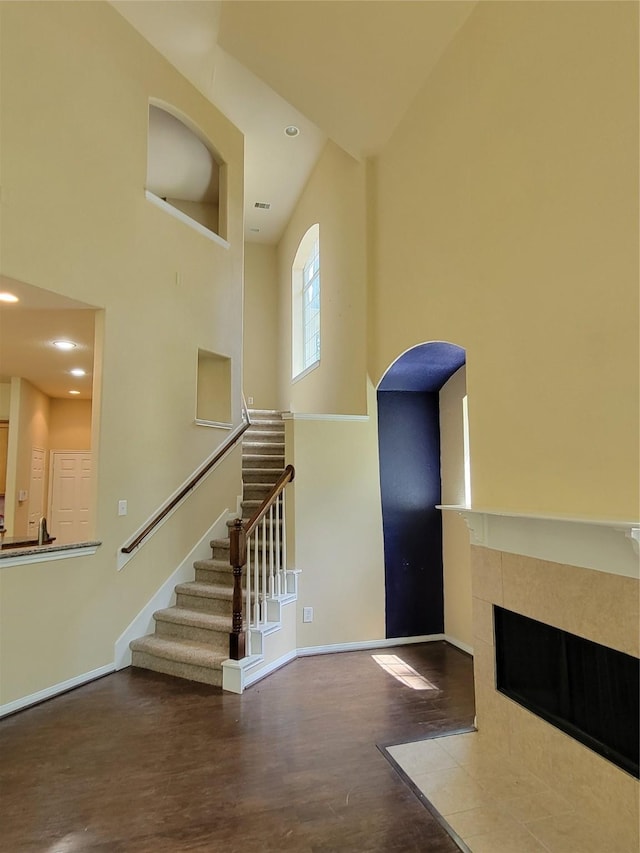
(246, 679)
(365, 645)
(55, 689)
(237, 675)
(252, 678)
(143, 623)
(464, 647)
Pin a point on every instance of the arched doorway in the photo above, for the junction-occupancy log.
(410, 474)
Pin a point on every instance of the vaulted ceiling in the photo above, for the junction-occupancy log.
(340, 69)
(345, 70)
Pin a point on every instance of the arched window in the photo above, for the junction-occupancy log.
(305, 303)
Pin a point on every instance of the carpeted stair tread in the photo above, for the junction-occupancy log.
(218, 565)
(267, 423)
(219, 543)
(180, 651)
(258, 413)
(204, 590)
(194, 618)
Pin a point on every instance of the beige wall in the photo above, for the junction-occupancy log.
(338, 529)
(333, 197)
(455, 535)
(260, 379)
(76, 87)
(70, 425)
(506, 221)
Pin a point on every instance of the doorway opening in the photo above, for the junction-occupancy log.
(411, 456)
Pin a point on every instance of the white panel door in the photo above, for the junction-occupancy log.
(36, 489)
(70, 496)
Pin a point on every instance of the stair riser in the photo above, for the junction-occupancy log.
(270, 461)
(179, 670)
(216, 576)
(249, 507)
(213, 606)
(256, 491)
(252, 477)
(220, 551)
(218, 640)
(269, 436)
(264, 448)
(221, 554)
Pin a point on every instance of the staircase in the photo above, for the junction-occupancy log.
(191, 638)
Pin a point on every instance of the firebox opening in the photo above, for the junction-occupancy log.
(587, 690)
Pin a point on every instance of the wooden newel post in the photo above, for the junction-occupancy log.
(237, 558)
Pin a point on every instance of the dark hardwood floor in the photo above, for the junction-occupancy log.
(139, 762)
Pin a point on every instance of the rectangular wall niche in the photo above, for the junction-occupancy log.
(213, 406)
(585, 689)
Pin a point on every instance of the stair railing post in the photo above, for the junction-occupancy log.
(237, 558)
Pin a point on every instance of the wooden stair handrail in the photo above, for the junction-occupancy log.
(193, 482)
(239, 530)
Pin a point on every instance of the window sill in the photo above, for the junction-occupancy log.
(46, 553)
(305, 372)
(187, 220)
(216, 424)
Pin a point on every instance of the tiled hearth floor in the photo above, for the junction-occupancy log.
(493, 806)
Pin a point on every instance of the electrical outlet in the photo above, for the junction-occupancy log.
(307, 614)
(122, 507)
(250, 401)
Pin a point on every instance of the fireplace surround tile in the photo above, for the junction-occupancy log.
(482, 621)
(596, 605)
(486, 578)
(506, 841)
(599, 606)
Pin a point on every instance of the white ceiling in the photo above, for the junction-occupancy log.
(276, 167)
(340, 69)
(27, 330)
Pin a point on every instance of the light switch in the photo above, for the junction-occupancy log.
(122, 507)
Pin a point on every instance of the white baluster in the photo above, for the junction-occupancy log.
(256, 579)
(272, 585)
(264, 567)
(280, 588)
(284, 539)
(248, 594)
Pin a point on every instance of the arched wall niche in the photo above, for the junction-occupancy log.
(184, 169)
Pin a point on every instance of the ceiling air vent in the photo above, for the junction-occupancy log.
(263, 205)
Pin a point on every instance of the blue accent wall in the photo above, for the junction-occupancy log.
(409, 447)
(425, 367)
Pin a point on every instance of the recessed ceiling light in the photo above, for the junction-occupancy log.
(64, 344)
(74, 392)
(78, 371)
(8, 297)
(291, 130)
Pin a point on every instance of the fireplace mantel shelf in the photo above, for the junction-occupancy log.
(607, 545)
